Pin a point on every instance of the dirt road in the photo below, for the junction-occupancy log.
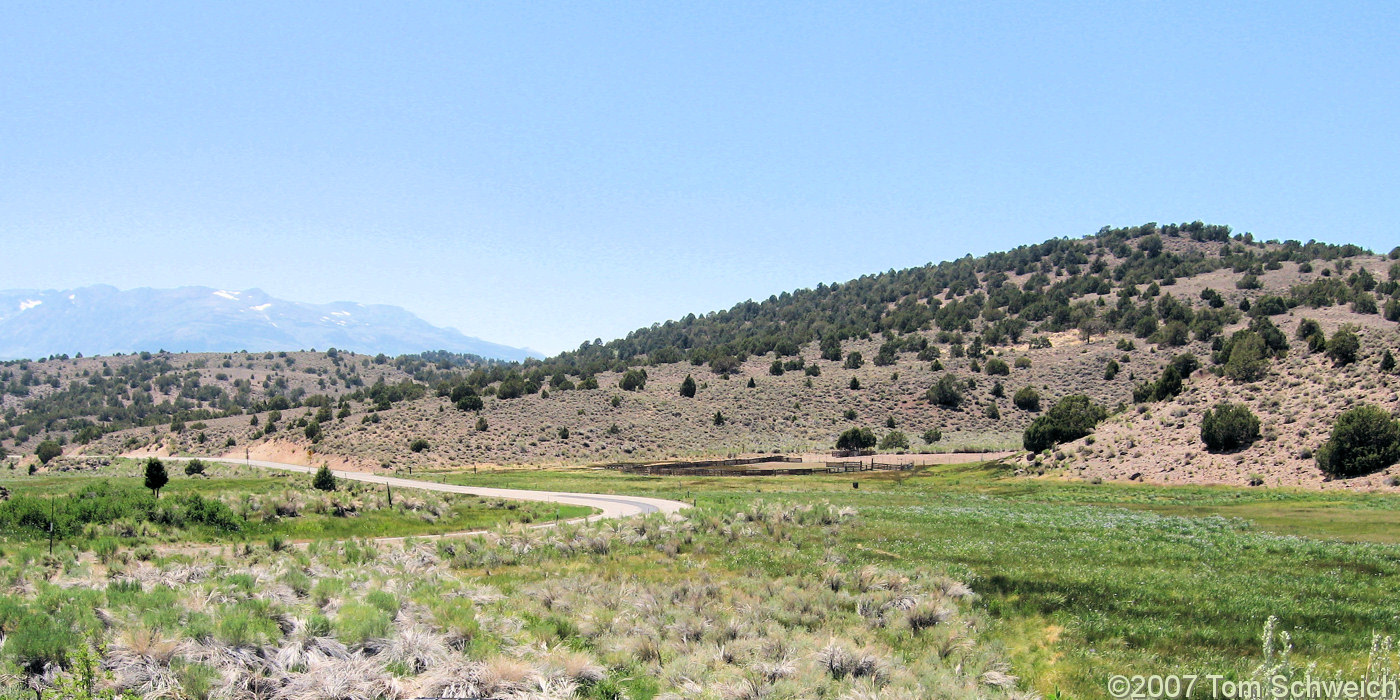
(611, 506)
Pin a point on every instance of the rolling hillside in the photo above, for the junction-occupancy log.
(1102, 316)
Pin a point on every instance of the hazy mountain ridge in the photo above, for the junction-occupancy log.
(103, 320)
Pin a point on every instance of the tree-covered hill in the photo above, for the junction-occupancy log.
(972, 350)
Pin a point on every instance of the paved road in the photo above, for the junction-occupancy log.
(611, 506)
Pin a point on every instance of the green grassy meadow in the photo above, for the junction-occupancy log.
(1086, 580)
(265, 505)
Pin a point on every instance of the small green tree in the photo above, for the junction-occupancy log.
(1364, 439)
(418, 445)
(324, 479)
(633, 380)
(894, 440)
(313, 431)
(856, 439)
(831, 348)
(776, 369)
(945, 392)
(1228, 427)
(932, 435)
(1071, 418)
(48, 450)
(719, 418)
(193, 467)
(481, 425)
(854, 360)
(855, 383)
(1027, 399)
(997, 366)
(1110, 370)
(1344, 346)
(688, 387)
(1249, 359)
(752, 384)
(156, 476)
(1387, 361)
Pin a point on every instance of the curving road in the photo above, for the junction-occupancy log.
(609, 505)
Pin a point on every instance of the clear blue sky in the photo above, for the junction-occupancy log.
(542, 174)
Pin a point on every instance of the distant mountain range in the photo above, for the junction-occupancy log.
(102, 320)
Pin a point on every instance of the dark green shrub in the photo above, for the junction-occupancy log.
(688, 387)
(1344, 346)
(894, 440)
(932, 435)
(1387, 361)
(1070, 418)
(48, 450)
(1229, 427)
(1110, 370)
(776, 369)
(1364, 439)
(324, 479)
(1248, 358)
(633, 380)
(1364, 303)
(856, 439)
(1026, 399)
(193, 467)
(996, 366)
(854, 360)
(418, 445)
(945, 392)
(1271, 305)
(831, 348)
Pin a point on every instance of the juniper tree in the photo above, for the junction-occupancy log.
(156, 476)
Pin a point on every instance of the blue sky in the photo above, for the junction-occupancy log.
(542, 174)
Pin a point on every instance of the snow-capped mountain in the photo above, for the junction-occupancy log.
(104, 320)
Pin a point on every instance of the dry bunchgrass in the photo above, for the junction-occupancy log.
(702, 633)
